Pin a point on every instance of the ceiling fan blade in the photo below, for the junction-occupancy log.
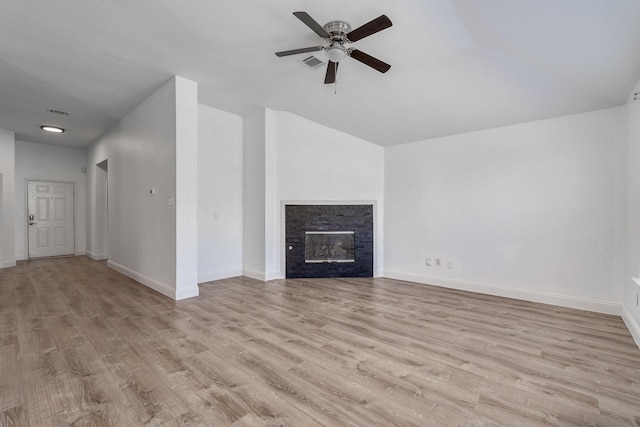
(297, 51)
(311, 23)
(371, 27)
(369, 60)
(332, 70)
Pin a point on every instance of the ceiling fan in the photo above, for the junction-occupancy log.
(337, 34)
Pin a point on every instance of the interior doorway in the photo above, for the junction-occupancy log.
(50, 218)
(101, 247)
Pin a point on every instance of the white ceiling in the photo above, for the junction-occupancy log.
(457, 65)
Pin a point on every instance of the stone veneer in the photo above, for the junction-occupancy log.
(301, 218)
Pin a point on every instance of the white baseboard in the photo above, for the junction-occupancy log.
(191, 292)
(258, 275)
(219, 275)
(8, 263)
(273, 275)
(606, 307)
(96, 257)
(21, 256)
(81, 253)
(154, 284)
(632, 325)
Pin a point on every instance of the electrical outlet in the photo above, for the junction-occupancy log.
(437, 262)
(429, 262)
(450, 263)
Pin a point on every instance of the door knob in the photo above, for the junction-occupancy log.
(32, 223)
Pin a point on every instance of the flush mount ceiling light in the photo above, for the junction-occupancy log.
(52, 129)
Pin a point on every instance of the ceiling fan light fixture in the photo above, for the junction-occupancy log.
(335, 53)
(52, 129)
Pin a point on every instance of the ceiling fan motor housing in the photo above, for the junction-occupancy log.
(337, 30)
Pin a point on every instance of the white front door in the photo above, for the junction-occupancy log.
(50, 218)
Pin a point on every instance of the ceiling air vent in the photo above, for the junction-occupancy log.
(312, 62)
(54, 111)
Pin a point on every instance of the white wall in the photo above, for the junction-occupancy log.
(219, 194)
(97, 238)
(272, 242)
(44, 162)
(141, 154)
(1, 225)
(186, 175)
(253, 195)
(314, 163)
(288, 159)
(7, 203)
(532, 211)
(631, 292)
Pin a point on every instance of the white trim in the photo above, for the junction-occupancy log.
(8, 263)
(258, 275)
(188, 293)
(96, 257)
(632, 325)
(163, 288)
(598, 306)
(219, 275)
(273, 275)
(80, 253)
(20, 256)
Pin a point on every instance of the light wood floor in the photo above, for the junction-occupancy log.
(81, 344)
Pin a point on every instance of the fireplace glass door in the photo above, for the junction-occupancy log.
(329, 246)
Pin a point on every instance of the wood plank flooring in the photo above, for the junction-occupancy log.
(82, 345)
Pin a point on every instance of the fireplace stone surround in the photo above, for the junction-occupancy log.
(300, 220)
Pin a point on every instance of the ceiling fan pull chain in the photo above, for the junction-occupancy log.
(335, 87)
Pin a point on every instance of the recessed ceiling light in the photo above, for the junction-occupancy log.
(53, 129)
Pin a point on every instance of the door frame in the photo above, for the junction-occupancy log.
(100, 228)
(26, 212)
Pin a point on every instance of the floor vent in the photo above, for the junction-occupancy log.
(312, 62)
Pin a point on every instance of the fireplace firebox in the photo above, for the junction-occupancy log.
(329, 246)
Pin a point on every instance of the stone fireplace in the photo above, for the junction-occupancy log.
(329, 240)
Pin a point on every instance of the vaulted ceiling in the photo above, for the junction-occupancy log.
(457, 65)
